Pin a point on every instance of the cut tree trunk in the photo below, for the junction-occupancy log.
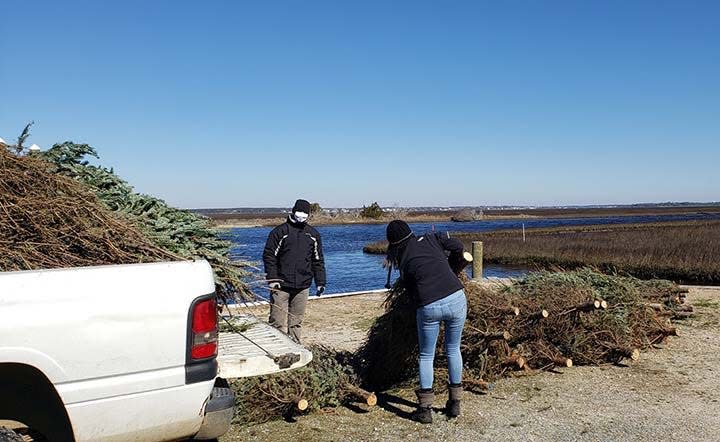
(493, 336)
(514, 360)
(669, 331)
(542, 314)
(656, 306)
(475, 383)
(510, 310)
(683, 315)
(589, 306)
(628, 352)
(368, 397)
(562, 361)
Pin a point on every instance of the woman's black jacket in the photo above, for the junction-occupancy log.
(424, 267)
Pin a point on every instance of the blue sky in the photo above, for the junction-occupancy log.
(230, 103)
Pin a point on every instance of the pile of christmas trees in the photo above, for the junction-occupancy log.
(544, 321)
(60, 211)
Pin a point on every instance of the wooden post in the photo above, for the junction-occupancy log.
(477, 263)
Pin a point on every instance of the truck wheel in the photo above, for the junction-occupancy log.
(8, 435)
(27, 396)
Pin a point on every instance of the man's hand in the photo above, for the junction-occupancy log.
(320, 290)
(274, 286)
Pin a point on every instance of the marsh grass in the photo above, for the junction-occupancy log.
(685, 252)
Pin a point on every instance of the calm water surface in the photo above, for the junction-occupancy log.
(349, 269)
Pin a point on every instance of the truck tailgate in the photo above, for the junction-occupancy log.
(256, 349)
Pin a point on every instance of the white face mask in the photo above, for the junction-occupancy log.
(300, 217)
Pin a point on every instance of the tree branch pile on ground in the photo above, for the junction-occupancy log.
(181, 232)
(540, 322)
(328, 381)
(50, 221)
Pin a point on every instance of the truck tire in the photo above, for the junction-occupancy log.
(8, 435)
(35, 407)
(27, 396)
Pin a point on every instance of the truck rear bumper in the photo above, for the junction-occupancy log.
(218, 414)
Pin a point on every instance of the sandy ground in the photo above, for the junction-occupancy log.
(337, 322)
(670, 394)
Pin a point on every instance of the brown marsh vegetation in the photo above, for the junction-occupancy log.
(232, 219)
(686, 251)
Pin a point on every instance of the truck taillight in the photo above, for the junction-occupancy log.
(204, 329)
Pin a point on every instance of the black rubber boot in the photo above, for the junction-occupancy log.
(423, 414)
(452, 407)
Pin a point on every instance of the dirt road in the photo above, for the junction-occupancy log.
(670, 394)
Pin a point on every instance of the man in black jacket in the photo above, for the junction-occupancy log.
(293, 256)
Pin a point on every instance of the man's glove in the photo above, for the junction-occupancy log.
(274, 286)
(320, 290)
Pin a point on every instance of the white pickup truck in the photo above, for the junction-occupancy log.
(124, 353)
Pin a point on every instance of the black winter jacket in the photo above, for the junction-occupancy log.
(424, 267)
(293, 253)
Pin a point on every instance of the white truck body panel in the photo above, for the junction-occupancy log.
(113, 340)
(116, 306)
(165, 414)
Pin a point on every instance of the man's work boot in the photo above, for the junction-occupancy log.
(452, 407)
(423, 414)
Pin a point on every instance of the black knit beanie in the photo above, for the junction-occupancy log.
(397, 232)
(301, 206)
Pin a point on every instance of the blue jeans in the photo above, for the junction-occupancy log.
(451, 310)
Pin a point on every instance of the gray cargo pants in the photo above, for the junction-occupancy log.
(287, 308)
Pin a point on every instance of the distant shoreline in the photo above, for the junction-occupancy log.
(320, 222)
(231, 220)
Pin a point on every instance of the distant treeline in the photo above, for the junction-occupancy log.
(638, 209)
